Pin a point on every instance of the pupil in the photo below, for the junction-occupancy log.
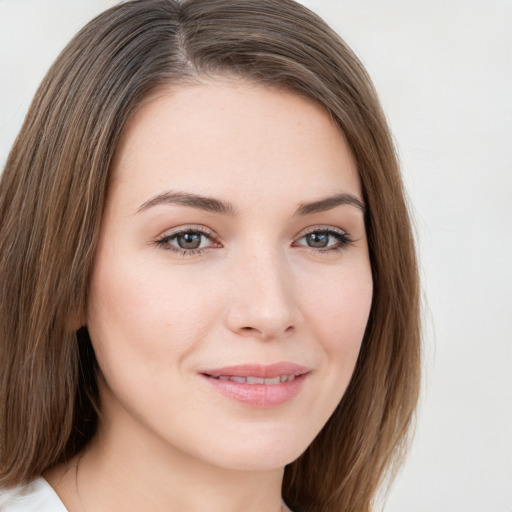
(317, 239)
(189, 240)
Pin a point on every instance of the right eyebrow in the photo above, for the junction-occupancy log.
(208, 204)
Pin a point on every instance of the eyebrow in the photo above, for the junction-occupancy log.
(213, 205)
(208, 204)
(328, 203)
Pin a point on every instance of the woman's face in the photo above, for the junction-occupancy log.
(232, 250)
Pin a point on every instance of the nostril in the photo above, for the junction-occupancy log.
(267, 334)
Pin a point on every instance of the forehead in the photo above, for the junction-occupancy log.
(225, 133)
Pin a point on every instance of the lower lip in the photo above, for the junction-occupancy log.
(258, 395)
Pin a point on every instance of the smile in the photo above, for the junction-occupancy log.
(256, 380)
(258, 386)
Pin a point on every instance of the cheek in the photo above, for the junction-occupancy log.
(141, 321)
(339, 314)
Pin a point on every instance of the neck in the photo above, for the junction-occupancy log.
(125, 468)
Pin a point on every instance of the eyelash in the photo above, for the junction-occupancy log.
(342, 240)
(164, 242)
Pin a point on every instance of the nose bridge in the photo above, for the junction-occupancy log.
(262, 299)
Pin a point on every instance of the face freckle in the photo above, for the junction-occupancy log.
(207, 263)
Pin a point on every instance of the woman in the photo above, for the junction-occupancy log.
(210, 295)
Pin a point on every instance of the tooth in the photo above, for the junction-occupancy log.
(255, 380)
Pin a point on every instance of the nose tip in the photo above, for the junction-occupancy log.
(263, 304)
(254, 324)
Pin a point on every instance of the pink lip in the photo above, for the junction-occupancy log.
(258, 395)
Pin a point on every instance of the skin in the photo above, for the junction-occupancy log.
(256, 293)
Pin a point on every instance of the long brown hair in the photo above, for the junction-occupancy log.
(52, 194)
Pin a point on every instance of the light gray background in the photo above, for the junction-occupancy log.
(444, 73)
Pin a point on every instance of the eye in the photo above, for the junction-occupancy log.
(188, 241)
(324, 239)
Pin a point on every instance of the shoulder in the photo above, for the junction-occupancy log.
(37, 496)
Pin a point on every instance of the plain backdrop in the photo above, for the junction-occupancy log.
(444, 73)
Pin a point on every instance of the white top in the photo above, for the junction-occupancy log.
(38, 496)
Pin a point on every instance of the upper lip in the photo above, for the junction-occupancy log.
(258, 370)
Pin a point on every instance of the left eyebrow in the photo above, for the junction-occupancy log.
(328, 203)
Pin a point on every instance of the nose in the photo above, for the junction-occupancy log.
(262, 298)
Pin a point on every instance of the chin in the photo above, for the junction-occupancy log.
(263, 452)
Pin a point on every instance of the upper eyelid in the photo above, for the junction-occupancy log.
(185, 229)
(324, 228)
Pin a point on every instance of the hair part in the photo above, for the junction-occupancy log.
(52, 195)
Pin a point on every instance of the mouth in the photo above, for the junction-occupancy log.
(260, 386)
(255, 380)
